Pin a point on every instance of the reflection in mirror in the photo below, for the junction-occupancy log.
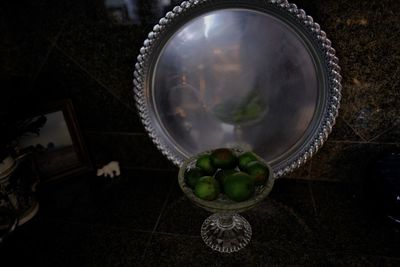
(236, 77)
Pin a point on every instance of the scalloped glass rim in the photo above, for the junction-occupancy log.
(222, 204)
(328, 116)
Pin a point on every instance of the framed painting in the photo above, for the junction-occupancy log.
(58, 147)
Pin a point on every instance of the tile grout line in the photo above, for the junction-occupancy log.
(362, 142)
(149, 169)
(176, 234)
(354, 252)
(115, 133)
(305, 179)
(314, 204)
(354, 130)
(158, 220)
(313, 201)
(164, 205)
(94, 78)
(53, 42)
(349, 252)
(385, 131)
(328, 180)
(309, 170)
(92, 225)
(339, 251)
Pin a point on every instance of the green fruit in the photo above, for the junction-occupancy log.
(221, 176)
(245, 159)
(223, 158)
(204, 163)
(207, 188)
(258, 171)
(192, 176)
(239, 186)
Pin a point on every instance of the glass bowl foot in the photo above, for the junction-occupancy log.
(226, 232)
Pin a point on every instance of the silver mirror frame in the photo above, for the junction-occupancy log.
(331, 62)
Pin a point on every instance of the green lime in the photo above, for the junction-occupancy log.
(221, 175)
(192, 176)
(245, 159)
(204, 163)
(223, 158)
(207, 188)
(258, 171)
(239, 186)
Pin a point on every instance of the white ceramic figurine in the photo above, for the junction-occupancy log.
(110, 170)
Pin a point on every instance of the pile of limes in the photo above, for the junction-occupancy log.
(222, 171)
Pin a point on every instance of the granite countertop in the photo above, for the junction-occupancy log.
(320, 215)
(142, 219)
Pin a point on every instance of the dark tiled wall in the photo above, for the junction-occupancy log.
(51, 50)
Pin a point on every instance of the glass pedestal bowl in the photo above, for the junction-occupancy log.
(225, 231)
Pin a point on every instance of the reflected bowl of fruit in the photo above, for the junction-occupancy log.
(226, 181)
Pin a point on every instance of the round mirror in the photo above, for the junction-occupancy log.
(258, 76)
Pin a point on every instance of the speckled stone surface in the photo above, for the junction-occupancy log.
(57, 243)
(342, 130)
(300, 173)
(96, 107)
(131, 150)
(364, 34)
(107, 52)
(191, 216)
(349, 221)
(174, 252)
(142, 219)
(390, 135)
(347, 161)
(77, 50)
(132, 201)
(45, 243)
(51, 50)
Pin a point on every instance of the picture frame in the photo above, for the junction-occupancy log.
(58, 149)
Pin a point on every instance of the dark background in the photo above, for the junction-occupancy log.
(50, 50)
(318, 216)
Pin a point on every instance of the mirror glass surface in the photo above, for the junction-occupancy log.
(236, 77)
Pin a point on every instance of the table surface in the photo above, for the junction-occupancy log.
(142, 219)
(73, 49)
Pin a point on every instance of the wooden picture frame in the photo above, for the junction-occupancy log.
(58, 150)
